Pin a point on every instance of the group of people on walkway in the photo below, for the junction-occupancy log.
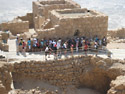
(59, 46)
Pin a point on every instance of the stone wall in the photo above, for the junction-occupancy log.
(119, 33)
(38, 22)
(29, 18)
(47, 33)
(117, 86)
(47, 24)
(4, 47)
(4, 36)
(42, 8)
(95, 73)
(5, 77)
(3, 41)
(87, 25)
(16, 26)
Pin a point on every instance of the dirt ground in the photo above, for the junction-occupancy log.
(30, 84)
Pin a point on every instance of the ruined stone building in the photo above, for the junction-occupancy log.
(59, 19)
(75, 22)
(15, 26)
(66, 19)
(42, 8)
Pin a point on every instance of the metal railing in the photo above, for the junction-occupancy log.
(24, 56)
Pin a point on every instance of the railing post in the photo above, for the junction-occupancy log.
(7, 58)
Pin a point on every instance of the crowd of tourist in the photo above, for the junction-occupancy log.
(59, 46)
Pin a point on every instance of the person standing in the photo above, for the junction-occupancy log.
(85, 48)
(17, 46)
(55, 50)
(59, 47)
(29, 45)
(77, 44)
(83, 44)
(65, 49)
(42, 44)
(24, 48)
(34, 45)
(46, 52)
(96, 48)
(20, 45)
(71, 48)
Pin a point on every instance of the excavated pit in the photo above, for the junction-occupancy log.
(81, 75)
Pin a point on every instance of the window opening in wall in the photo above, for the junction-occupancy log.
(77, 32)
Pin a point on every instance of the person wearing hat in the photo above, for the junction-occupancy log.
(20, 44)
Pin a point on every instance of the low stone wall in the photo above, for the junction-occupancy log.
(4, 36)
(16, 26)
(28, 17)
(5, 77)
(3, 41)
(47, 33)
(95, 73)
(4, 47)
(119, 33)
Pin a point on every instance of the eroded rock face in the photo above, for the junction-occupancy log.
(5, 77)
(2, 89)
(117, 86)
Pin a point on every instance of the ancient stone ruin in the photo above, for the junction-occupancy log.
(60, 19)
(41, 9)
(102, 75)
(74, 22)
(3, 41)
(54, 17)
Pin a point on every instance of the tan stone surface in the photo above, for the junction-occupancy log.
(117, 86)
(5, 77)
(16, 26)
(42, 8)
(89, 25)
(4, 37)
(28, 17)
(96, 73)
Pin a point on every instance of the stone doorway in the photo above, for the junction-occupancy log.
(77, 33)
